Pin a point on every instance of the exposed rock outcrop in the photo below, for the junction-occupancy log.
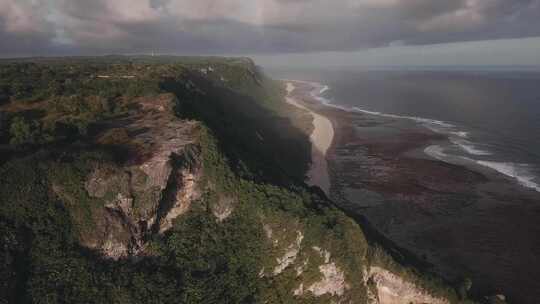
(496, 299)
(393, 289)
(139, 186)
(161, 181)
(158, 184)
(290, 254)
(332, 281)
(223, 208)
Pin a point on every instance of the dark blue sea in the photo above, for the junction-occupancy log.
(492, 118)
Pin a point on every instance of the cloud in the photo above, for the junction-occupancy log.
(21, 29)
(228, 26)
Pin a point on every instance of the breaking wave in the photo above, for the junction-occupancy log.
(520, 172)
(469, 147)
(436, 152)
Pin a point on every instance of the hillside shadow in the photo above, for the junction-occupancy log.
(264, 147)
(258, 143)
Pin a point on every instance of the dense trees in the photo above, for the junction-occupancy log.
(199, 260)
(232, 97)
(22, 131)
(250, 151)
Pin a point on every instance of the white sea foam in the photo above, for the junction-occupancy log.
(324, 89)
(469, 147)
(319, 89)
(438, 126)
(436, 152)
(461, 134)
(414, 118)
(520, 172)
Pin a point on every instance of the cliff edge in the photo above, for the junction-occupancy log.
(138, 180)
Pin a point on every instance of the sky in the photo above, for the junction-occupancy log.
(371, 30)
(518, 53)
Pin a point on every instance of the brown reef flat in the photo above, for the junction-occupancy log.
(463, 219)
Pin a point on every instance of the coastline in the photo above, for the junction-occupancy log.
(462, 218)
(454, 215)
(459, 217)
(321, 137)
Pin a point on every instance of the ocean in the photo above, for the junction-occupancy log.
(492, 118)
(478, 206)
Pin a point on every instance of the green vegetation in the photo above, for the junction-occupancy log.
(198, 261)
(250, 152)
(45, 210)
(22, 131)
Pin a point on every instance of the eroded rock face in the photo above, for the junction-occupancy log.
(333, 278)
(186, 193)
(392, 289)
(223, 208)
(133, 212)
(290, 255)
(333, 281)
(144, 197)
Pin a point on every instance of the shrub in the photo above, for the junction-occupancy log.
(23, 132)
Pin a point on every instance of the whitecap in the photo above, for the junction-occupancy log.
(324, 89)
(469, 147)
(461, 134)
(520, 172)
(414, 118)
(436, 152)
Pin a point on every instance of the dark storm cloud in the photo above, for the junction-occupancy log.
(46, 27)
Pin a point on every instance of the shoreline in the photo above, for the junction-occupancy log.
(321, 137)
(497, 169)
(459, 217)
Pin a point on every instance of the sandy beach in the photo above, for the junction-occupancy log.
(455, 217)
(321, 139)
(460, 219)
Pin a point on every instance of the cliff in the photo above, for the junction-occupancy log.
(180, 183)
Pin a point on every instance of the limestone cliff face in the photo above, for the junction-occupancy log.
(164, 178)
(145, 196)
(390, 288)
(319, 272)
(208, 200)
